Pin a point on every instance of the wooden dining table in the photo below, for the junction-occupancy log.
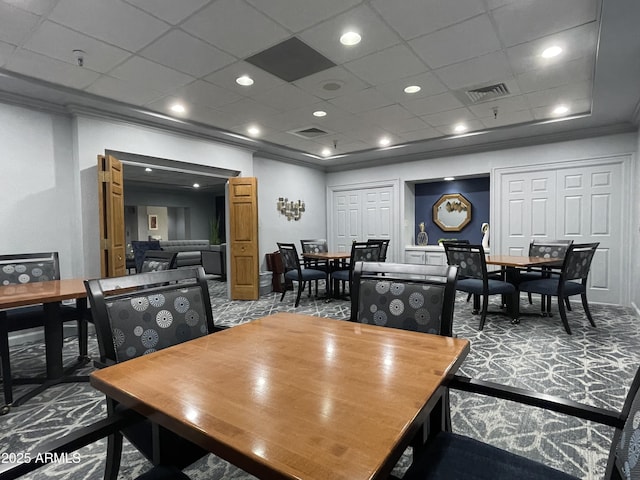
(50, 294)
(291, 396)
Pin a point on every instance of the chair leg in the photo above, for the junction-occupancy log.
(5, 364)
(585, 305)
(567, 303)
(563, 315)
(476, 304)
(468, 298)
(485, 306)
(530, 299)
(301, 286)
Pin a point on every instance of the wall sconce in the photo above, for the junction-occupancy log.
(290, 209)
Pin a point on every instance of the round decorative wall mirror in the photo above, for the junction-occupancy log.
(452, 212)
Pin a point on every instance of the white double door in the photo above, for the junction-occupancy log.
(583, 202)
(360, 214)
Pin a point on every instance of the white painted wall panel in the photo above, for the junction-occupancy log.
(600, 214)
(599, 274)
(539, 217)
(572, 216)
(516, 214)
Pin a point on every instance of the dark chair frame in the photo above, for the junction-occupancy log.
(100, 291)
(562, 279)
(23, 318)
(384, 247)
(602, 416)
(358, 251)
(163, 256)
(308, 247)
(533, 273)
(424, 274)
(303, 275)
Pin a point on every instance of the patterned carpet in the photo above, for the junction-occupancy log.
(594, 365)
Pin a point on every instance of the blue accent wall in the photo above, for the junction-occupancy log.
(476, 190)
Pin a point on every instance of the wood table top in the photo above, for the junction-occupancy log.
(291, 395)
(19, 295)
(328, 255)
(521, 261)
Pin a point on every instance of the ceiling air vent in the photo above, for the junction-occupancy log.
(483, 94)
(309, 132)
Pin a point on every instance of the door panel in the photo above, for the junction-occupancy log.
(244, 271)
(111, 212)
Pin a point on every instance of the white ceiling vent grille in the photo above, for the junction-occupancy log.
(309, 132)
(483, 94)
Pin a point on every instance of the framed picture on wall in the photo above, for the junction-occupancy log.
(153, 222)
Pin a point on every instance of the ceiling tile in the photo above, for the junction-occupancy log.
(386, 115)
(420, 134)
(113, 21)
(39, 7)
(450, 117)
(59, 42)
(412, 18)
(218, 25)
(142, 72)
(433, 104)
(212, 116)
(15, 24)
(296, 15)
(406, 125)
(472, 126)
(562, 94)
(361, 101)
(49, 69)
(576, 107)
(387, 65)
(575, 43)
(122, 91)
(428, 82)
(226, 78)
(170, 10)
(247, 110)
(554, 76)
(507, 118)
(325, 37)
(331, 78)
(520, 22)
(207, 94)
(475, 72)
(285, 97)
(187, 54)
(472, 38)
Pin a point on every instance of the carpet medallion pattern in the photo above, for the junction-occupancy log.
(594, 366)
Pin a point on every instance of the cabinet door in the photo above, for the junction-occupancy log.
(435, 258)
(411, 256)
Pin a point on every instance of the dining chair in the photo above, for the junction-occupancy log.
(571, 281)
(473, 278)
(25, 268)
(448, 455)
(141, 246)
(384, 247)
(318, 245)
(360, 252)
(139, 314)
(156, 260)
(544, 249)
(293, 271)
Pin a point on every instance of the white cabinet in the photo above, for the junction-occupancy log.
(429, 255)
(412, 256)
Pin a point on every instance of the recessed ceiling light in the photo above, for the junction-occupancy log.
(412, 89)
(196, 185)
(253, 131)
(384, 141)
(326, 152)
(461, 127)
(449, 179)
(244, 80)
(350, 38)
(551, 52)
(148, 170)
(319, 113)
(560, 110)
(178, 108)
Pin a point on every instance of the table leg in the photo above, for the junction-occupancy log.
(53, 340)
(7, 382)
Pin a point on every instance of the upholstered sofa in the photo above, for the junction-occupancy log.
(190, 252)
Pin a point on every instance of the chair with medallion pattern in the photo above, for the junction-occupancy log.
(315, 246)
(139, 314)
(360, 252)
(156, 260)
(293, 271)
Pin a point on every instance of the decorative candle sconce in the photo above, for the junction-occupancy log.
(290, 209)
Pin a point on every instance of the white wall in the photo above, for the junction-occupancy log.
(93, 136)
(38, 185)
(277, 179)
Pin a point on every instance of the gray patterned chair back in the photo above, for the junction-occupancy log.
(577, 261)
(29, 268)
(549, 249)
(364, 252)
(624, 459)
(384, 246)
(139, 314)
(314, 246)
(155, 261)
(289, 254)
(410, 297)
(470, 259)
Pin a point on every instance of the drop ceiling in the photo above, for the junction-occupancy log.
(140, 57)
